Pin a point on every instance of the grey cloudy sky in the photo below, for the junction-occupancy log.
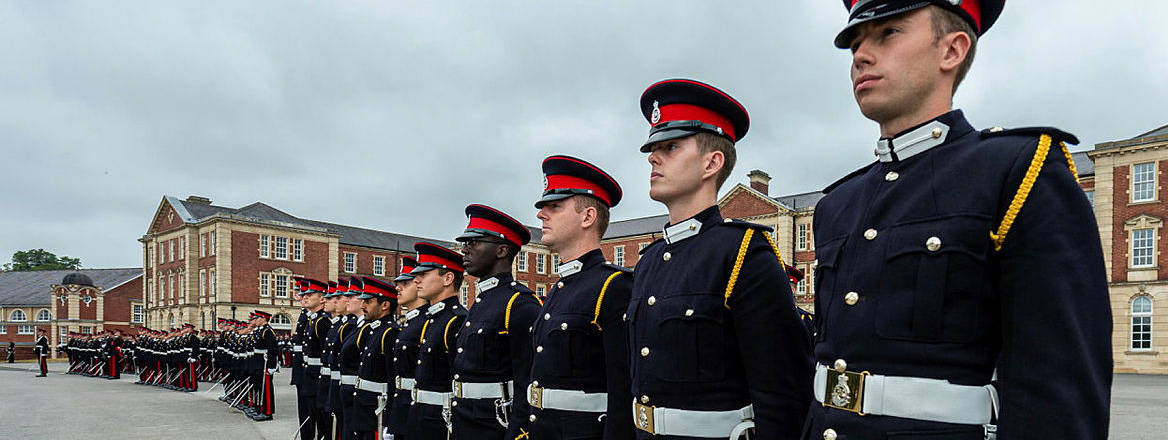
(395, 115)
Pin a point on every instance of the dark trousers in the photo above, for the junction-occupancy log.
(305, 406)
(474, 419)
(399, 413)
(265, 402)
(324, 422)
(426, 422)
(44, 364)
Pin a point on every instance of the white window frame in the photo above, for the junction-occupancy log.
(137, 313)
(801, 236)
(281, 285)
(265, 284)
(202, 282)
(379, 265)
(641, 247)
(47, 315)
(541, 290)
(540, 264)
(1141, 318)
(182, 245)
(281, 248)
(3, 329)
(618, 255)
(350, 262)
(521, 262)
(1143, 182)
(170, 249)
(464, 294)
(202, 245)
(88, 329)
(297, 250)
(18, 316)
(1141, 244)
(214, 241)
(265, 246)
(25, 329)
(555, 262)
(211, 277)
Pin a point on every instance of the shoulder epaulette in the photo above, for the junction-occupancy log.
(1056, 134)
(745, 224)
(618, 268)
(848, 177)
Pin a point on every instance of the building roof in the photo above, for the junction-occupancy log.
(800, 202)
(196, 211)
(1157, 132)
(32, 287)
(1083, 164)
(636, 226)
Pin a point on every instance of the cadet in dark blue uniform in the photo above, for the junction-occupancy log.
(716, 343)
(493, 358)
(438, 277)
(310, 292)
(580, 372)
(265, 350)
(957, 257)
(375, 339)
(349, 354)
(327, 333)
(405, 348)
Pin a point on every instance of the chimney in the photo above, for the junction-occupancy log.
(205, 201)
(760, 181)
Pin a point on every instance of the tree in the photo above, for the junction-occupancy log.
(40, 259)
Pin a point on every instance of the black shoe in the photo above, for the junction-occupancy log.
(261, 417)
(41, 375)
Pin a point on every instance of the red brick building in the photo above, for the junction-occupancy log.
(62, 301)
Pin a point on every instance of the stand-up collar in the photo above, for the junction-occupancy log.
(923, 137)
(693, 226)
(492, 282)
(592, 258)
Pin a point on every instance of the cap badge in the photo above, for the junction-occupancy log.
(656, 116)
(545, 183)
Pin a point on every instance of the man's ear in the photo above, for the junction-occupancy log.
(714, 161)
(954, 48)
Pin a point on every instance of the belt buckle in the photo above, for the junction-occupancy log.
(357, 384)
(845, 391)
(397, 382)
(414, 394)
(535, 397)
(643, 417)
(457, 389)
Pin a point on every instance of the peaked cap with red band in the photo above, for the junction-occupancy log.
(432, 256)
(309, 285)
(408, 265)
(488, 222)
(375, 288)
(677, 108)
(356, 286)
(567, 176)
(332, 289)
(981, 14)
(795, 275)
(261, 314)
(342, 288)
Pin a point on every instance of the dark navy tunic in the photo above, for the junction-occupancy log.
(692, 348)
(909, 284)
(375, 342)
(435, 361)
(405, 362)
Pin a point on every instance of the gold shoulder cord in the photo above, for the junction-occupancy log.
(446, 342)
(507, 314)
(361, 333)
(600, 300)
(742, 256)
(1028, 180)
(383, 335)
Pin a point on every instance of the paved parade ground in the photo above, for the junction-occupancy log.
(77, 407)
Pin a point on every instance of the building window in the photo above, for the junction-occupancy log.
(214, 241)
(281, 248)
(43, 315)
(801, 286)
(202, 245)
(202, 283)
(378, 265)
(1143, 182)
(298, 250)
(555, 262)
(25, 329)
(1090, 198)
(4, 329)
(139, 314)
(18, 316)
(1143, 242)
(150, 254)
(810, 277)
(88, 329)
(618, 255)
(281, 286)
(350, 262)
(170, 250)
(521, 262)
(161, 288)
(182, 255)
(540, 290)
(1141, 328)
(281, 321)
(182, 287)
(211, 275)
(801, 237)
(265, 246)
(265, 284)
(641, 247)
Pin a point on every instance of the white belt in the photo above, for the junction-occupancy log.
(478, 390)
(326, 372)
(690, 423)
(405, 383)
(312, 361)
(566, 400)
(348, 380)
(371, 386)
(431, 397)
(260, 351)
(297, 348)
(917, 398)
(334, 375)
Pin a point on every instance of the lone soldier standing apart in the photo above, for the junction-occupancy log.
(265, 348)
(439, 277)
(41, 347)
(717, 347)
(580, 373)
(493, 358)
(961, 279)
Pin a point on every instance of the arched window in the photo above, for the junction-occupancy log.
(43, 315)
(1141, 324)
(171, 321)
(19, 316)
(281, 322)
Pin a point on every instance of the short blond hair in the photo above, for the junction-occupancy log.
(946, 22)
(708, 143)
